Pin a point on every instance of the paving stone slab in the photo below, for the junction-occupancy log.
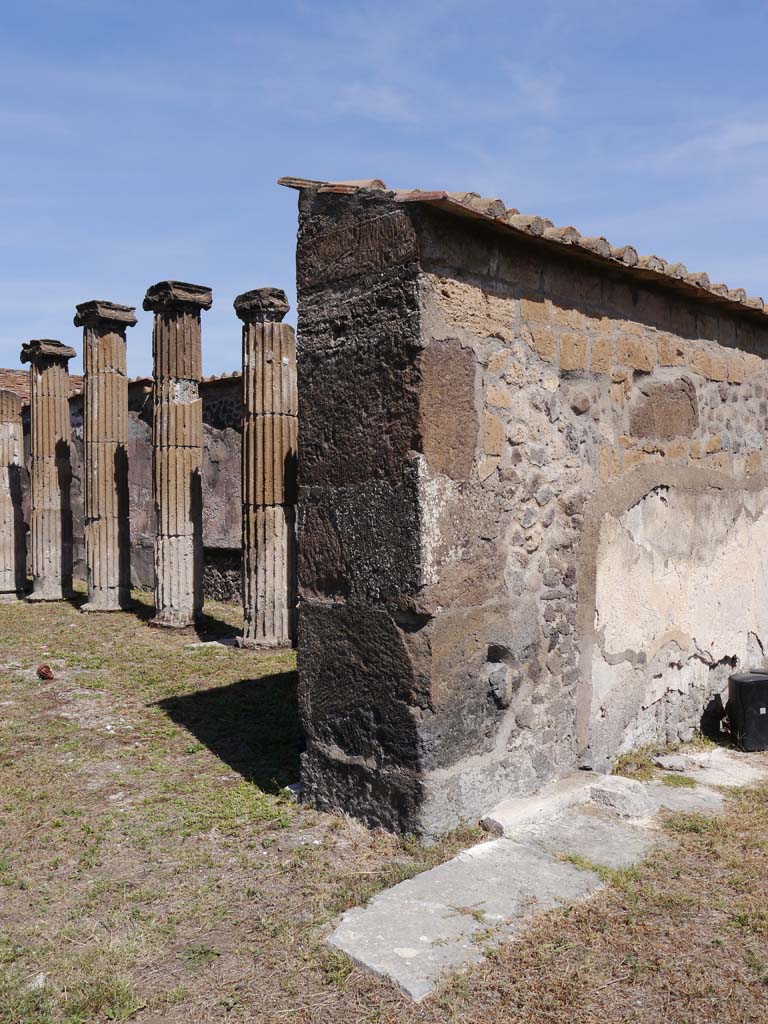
(699, 799)
(719, 767)
(597, 835)
(438, 921)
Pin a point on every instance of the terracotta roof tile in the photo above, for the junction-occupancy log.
(18, 381)
(232, 375)
(596, 249)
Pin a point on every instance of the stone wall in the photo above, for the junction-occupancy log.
(222, 404)
(532, 506)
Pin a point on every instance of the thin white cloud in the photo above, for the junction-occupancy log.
(539, 91)
(375, 101)
(20, 119)
(725, 142)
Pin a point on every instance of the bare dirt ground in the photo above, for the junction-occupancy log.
(151, 869)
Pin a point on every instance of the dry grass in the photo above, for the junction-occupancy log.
(151, 870)
(151, 867)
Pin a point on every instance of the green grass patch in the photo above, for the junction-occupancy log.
(335, 966)
(20, 1006)
(619, 878)
(753, 919)
(694, 822)
(110, 999)
(230, 806)
(678, 781)
(199, 954)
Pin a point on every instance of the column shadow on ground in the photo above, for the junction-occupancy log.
(252, 725)
(206, 627)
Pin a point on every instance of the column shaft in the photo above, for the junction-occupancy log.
(105, 435)
(269, 447)
(13, 573)
(177, 448)
(50, 469)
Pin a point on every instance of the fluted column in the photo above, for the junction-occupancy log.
(50, 469)
(177, 450)
(270, 426)
(105, 436)
(13, 573)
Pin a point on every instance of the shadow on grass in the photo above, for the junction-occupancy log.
(142, 611)
(252, 725)
(206, 627)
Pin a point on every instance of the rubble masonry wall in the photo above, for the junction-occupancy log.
(532, 511)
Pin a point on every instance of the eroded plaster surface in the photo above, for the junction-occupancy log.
(681, 600)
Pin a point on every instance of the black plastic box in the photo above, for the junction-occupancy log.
(748, 709)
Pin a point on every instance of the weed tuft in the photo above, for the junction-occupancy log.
(678, 781)
(692, 822)
(335, 967)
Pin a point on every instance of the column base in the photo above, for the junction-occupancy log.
(40, 598)
(172, 621)
(264, 645)
(12, 596)
(90, 608)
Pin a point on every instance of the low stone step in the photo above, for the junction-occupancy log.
(442, 920)
(719, 767)
(439, 921)
(624, 797)
(594, 834)
(516, 811)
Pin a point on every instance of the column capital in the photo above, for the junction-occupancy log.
(262, 305)
(97, 313)
(177, 295)
(46, 349)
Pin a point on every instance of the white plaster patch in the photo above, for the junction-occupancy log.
(681, 599)
(437, 492)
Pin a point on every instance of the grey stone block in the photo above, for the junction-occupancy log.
(671, 762)
(589, 832)
(437, 922)
(624, 797)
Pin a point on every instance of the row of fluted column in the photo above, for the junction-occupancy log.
(269, 448)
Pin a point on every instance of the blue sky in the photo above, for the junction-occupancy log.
(142, 141)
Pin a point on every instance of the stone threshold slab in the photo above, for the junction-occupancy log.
(440, 922)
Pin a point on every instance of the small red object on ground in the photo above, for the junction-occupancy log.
(45, 672)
